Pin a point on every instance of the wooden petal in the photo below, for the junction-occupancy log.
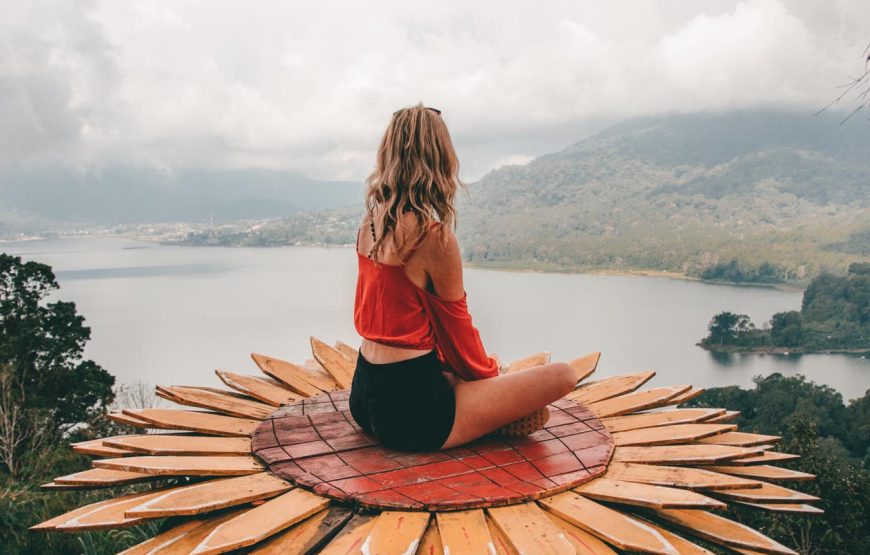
(90, 509)
(128, 420)
(683, 546)
(527, 362)
(666, 435)
(765, 457)
(99, 448)
(185, 543)
(396, 532)
(185, 466)
(646, 495)
(108, 515)
(764, 472)
(585, 365)
(727, 417)
(768, 493)
(741, 439)
(307, 536)
(658, 418)
(464, 532)
(430, 543)
(723, 531)
(690, 394)
(682, 454)
(289, 374)
(211, 495)
(351, 537)
(176, 444)
(609, 387)
(258, 388)
(336, 364)
(161, 541)
(318, 376)
(103, 477)
(499, 540)
(202, 422)
(584, 543)
(677, 476)
(220, 402)
(785, 507)
(262, 522)
(611, 526)
(529, 530)
(639, 400)
(351, 353)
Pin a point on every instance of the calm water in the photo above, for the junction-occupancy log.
(172, 315)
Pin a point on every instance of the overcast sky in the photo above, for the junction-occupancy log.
(310, 86)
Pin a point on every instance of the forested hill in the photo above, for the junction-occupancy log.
(738, 196)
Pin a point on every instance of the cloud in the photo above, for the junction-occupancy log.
(309, 86)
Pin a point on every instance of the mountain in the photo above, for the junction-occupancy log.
(732, 195)
(53, 196)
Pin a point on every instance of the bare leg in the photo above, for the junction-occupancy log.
(484, 405)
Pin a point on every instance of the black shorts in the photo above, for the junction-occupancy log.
(407, 405)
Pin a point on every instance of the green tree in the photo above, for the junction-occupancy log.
(45, 385)
(786, 328)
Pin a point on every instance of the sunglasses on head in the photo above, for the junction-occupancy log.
(436, 110)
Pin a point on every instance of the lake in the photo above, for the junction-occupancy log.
(172, 315)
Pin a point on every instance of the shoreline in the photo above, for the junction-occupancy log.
(782, 350)
(630, 272)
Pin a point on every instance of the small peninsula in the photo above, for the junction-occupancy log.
(834, 317)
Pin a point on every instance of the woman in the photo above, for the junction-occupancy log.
(423, 380)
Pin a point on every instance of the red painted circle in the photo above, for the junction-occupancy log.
(316, 444)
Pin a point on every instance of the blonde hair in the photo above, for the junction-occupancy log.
(417, 170)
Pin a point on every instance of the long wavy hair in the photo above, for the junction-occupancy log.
(417, 171)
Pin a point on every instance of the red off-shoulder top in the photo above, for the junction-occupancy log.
(391, 309)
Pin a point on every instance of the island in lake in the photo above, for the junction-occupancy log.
(834, 317)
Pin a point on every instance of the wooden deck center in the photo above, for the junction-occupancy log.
(317, 445)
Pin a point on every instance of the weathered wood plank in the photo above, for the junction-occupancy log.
(668, 435)
(262, 521)
(690, 394)
(99, 448)
(464, 532)
(606, 388)
(528, 362)
(636, 401)
(219, 402)
(351, 537)
(103, 477)
(683, 546)
(677, 476)
(270, 393)
(768, 493)
(185, 465)
(658, 418)
(307, 536)
(396, 532)
(683, 454)
(72, 517)
(211, 495)
(727, 417)
(291, 375)
(765, 457)
(584, 366)
(763, 472)
(612, 526)
(177, 444)
(529, 530)
(318, 375)
(128, 420)
(159, 542)
(741, 439)
(584, 543)
(785, 507)
(499, 540)
(722, 531)
(194, 421)
(185, 543)
(646, 495)
(336, 364)
(108, 515)
(430, 543)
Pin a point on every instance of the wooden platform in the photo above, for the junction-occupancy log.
(315, 443)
